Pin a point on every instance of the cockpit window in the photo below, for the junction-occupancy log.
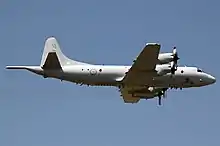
(199, 70)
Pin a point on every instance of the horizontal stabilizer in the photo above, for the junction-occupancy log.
(35, 69)
(16, 67)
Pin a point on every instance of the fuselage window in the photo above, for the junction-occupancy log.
(100, 70)
(181, 71)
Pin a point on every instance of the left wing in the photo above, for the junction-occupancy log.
(129, 94)
(128, 98)
(143, 68)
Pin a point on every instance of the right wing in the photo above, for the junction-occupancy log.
(143, 69)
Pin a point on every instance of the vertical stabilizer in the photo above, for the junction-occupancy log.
(53, 57)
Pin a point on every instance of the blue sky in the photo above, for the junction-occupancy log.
(36, 111)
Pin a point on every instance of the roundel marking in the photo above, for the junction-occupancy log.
(93, 72)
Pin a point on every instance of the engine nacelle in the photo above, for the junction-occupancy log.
(163, 69)
(165, 58)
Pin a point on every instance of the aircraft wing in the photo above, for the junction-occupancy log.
(126, 93)
(128, 98)
(143, 68)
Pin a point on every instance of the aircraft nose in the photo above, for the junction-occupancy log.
(212, 79)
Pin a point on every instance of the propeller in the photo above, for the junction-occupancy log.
(175, 55)
(173, 66)
(174, 63)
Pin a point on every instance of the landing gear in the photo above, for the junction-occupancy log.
(159, 101)
(160, 94)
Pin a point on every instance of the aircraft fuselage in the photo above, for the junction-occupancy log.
(110, 75)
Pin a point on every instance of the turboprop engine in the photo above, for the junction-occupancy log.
(163, 69)
(168, 62)
(168, 57)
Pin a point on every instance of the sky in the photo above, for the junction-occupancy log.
(36, 111)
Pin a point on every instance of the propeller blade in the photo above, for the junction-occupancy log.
(173, 67)
(175, 54)
(174, 50)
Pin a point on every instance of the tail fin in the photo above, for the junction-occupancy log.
(53, 58)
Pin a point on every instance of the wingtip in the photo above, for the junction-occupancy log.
(153, 44)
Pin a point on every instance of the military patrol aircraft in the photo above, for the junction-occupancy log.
(151, 74)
